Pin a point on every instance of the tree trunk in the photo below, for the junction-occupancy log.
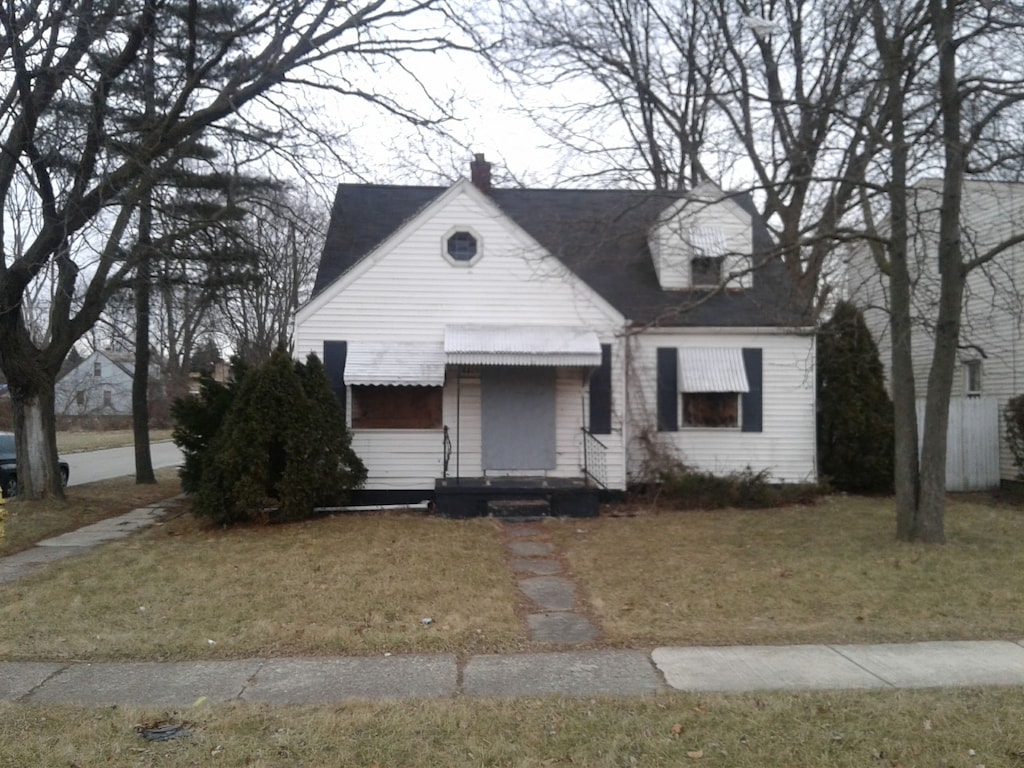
(36, 436)
(140, 377)
(143, 280)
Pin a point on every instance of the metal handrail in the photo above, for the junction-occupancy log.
(447, 447)
(595, 465)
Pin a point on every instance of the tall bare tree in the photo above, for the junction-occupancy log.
(954, 78)
(64, 136)
(285, 237)
(775, 98)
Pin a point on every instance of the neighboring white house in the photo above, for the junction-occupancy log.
(538, 336)
(100, 385)
(990, 362)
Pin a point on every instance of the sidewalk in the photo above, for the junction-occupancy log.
(563, 673)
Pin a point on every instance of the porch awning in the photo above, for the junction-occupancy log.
(395, 364)
(712, 370)
(521, 345)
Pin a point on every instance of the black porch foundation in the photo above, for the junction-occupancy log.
(514, 497)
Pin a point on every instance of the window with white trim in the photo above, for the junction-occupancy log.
(401, 407)
(462, 247)
(972, 377)
(717, 410)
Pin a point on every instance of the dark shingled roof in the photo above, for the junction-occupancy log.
(601, 235)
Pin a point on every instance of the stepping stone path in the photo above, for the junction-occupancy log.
(541, 573)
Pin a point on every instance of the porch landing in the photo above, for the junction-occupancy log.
(515, 497)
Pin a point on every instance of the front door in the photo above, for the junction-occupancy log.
(518, 418)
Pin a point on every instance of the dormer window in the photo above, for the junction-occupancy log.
(462, 247)
(706, 271)
(708, 246)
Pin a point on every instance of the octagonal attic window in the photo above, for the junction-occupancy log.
(462, 246)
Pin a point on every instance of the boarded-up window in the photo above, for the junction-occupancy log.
(380, 407)
(711, 409)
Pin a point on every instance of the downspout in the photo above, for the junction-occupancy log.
(458, 423)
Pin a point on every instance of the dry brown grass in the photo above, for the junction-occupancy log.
(354, 584)
(29, 522)
(827, 573)
(914, 729)
(73, 441)
(360, 584)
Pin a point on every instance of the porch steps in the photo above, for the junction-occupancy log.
(513, 510)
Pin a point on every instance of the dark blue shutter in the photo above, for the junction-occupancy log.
(335, 353)
(668, 389)
(752, 400)
(601, 394)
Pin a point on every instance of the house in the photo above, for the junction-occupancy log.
(100, 385)
(990, 359)
(488, 340)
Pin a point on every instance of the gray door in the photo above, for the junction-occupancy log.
(518, 418)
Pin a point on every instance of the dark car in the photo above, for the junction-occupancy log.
(9, 466)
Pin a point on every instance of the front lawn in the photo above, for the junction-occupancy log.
(363, 584)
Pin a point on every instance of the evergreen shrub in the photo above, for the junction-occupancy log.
(1013, 418)
(856, 438)
(281, 448)
(197, 419)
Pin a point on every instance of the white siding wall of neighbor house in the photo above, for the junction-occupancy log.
(109, 393)
(786, 445)
(408, 291)
(992, 330)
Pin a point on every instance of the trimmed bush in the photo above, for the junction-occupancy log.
(856, 441)
(281, 447)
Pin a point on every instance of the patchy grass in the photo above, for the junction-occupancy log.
(74, 441)
(354, 584)
(963, 728)
(360, 584)
(29, 522)
(828, 573)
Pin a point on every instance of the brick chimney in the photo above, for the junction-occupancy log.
(480, 173)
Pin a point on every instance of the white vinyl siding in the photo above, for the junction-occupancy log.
(786, 445)
(408, 292)
(991, 329)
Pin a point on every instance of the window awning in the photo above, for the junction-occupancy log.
(712, 370)
(708, 241)
(394, 364)
(521, 345)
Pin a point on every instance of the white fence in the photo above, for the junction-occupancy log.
(972, 452)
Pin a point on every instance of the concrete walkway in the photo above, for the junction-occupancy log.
(554, 615)
(563, 673)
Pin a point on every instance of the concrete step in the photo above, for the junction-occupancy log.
(519, 509)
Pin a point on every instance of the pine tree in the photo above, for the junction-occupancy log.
(855, 414)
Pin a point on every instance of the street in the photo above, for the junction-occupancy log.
(90, 466)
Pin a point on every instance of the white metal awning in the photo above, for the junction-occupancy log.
(712, 370)
(521, 345)
(395, 364)
(708, 241)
